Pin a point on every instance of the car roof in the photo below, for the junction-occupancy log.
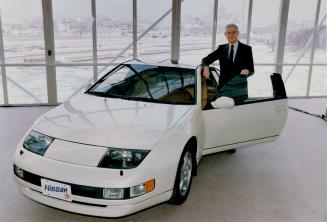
(163, 64)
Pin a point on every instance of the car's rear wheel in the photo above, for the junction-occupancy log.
(183, 180)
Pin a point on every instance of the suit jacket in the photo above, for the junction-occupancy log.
(243, 60)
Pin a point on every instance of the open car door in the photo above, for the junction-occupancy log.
(249, 121)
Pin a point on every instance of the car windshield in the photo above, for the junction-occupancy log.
(149, 83)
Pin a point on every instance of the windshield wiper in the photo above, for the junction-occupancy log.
(138, 98)
(106, 95)
(146, 99)
(135, 98)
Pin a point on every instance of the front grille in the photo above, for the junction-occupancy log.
(85, 191)
(79, 190)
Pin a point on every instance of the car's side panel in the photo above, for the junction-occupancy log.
(164, 158)
(245, 123)
(237, 145)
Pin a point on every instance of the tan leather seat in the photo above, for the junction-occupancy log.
(177, 96)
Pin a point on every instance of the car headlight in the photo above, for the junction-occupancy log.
(123, 158)
(37, 143)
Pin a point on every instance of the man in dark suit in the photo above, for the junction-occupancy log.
(235, 59)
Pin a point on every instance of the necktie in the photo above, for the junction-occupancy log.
(231, 55)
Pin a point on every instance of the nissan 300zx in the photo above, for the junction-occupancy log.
(135, 137)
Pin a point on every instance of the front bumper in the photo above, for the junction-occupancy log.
(82, 207)
(87, 183)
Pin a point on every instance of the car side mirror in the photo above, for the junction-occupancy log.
(223, 102)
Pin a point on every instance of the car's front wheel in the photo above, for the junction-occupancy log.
(183, 178)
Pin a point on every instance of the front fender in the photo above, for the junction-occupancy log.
(164, 158)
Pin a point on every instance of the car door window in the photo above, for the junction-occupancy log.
(236, 88)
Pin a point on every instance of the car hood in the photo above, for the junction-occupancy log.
(110, 122)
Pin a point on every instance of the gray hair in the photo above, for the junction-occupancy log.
(231, 25)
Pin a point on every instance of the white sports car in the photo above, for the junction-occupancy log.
(135, 137)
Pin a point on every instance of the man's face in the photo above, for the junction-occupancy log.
(231, 34)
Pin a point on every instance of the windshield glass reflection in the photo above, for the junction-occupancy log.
(148, 83)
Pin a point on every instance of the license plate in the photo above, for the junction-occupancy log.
(56, 190)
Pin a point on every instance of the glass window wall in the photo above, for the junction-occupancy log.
(155, 46)
(196, 31)
(114, 30)
(264, 30)
(22, 30)
(73, 31)
(27, 85)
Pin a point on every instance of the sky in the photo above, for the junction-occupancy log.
(263, 10)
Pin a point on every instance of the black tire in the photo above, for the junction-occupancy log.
(183, 179)
(232, 151)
